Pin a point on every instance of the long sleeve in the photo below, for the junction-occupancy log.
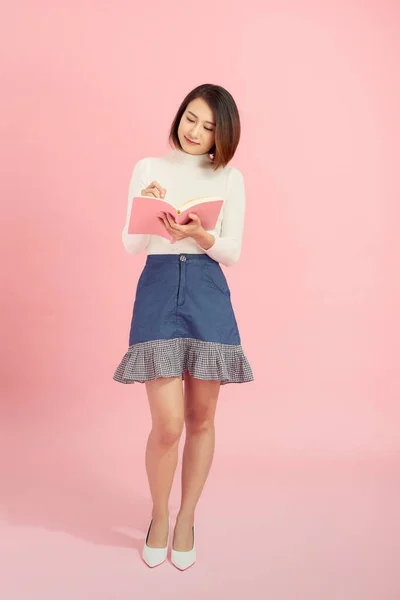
(227, 247)
(135, 242)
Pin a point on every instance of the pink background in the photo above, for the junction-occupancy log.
(302, 496)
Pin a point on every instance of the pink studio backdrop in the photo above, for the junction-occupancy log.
(88, 88)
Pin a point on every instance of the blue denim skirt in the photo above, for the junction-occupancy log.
(183, 320)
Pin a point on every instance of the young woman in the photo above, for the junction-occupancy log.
(184, 341)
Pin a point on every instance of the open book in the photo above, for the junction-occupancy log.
(146, 209)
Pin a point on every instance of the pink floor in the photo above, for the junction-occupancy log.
(72, 526)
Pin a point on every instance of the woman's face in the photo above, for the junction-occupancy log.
(197, 125)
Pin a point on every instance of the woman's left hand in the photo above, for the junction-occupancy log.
(179, 232)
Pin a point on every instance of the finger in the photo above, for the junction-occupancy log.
(155, 191)
(165, 227)
(171, 221)
(158, 186)
(163, 222)
(147, 192)
(166, 224)
(171, 232)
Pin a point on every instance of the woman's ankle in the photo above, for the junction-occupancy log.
(185, 517)
(160, 514)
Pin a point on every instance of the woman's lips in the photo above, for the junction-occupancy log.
(190, 142)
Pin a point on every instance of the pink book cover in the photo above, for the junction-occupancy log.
(145, 210)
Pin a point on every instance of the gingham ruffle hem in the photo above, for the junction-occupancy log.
(146, 361)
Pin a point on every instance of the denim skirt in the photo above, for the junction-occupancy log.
(183, 320)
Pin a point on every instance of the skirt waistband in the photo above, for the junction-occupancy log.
(176, 258)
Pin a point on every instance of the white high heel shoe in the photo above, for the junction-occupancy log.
(183, 560)
(154, 556)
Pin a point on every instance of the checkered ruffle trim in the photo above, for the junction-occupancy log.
(146, 361)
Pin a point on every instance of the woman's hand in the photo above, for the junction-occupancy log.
(179, 232)
(154, 190)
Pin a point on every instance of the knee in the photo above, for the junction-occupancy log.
(169, 433)
(198, 421)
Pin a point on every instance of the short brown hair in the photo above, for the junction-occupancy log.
(227, 127)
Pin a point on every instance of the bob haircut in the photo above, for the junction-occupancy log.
(227, 122)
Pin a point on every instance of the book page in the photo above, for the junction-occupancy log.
(196, 201)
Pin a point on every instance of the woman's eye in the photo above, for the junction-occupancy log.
(193, 122)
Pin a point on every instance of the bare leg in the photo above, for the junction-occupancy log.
(165, 397)
(200, 406)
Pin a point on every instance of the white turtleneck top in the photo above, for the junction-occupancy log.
(185, 176)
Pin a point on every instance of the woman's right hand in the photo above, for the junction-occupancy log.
(154, 190)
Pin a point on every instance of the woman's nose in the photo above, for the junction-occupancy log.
(195, 132)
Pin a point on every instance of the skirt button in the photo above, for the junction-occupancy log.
(183, 258)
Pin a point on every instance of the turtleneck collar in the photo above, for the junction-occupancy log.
(191, 160)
